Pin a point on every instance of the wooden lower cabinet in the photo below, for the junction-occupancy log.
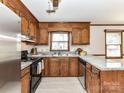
(64, 67)
(88, 81)
(61, 66)
(25, 80)
(100, 81)
(92, 79)
(73, 67)
(54, 67)
(95, 80)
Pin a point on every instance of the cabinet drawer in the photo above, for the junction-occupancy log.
(25, 71)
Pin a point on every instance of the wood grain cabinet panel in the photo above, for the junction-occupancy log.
(54, 67)
(95, 80)
(24, 26)
(81, 34)
(109, 82)
(43, 35)
(80, 69)
(25, 80)
(46, 65)
(73, 67)
(32, 29)
(92, 79)
(61, 67)
(64, 67)
(85, 36)
(76, 36)
(121, 82)
(89, 81)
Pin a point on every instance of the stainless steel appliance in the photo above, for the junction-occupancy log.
(82, 78)
(10, 29)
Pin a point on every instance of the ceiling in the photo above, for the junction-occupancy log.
(95, 11)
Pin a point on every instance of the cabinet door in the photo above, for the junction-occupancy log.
(95, 81)
(54, 67)
(32, 29)
(24, 26)
(121, 81)
(25, 83)
(64, 67)
(89, 81)
(76, 36)
(73, 67)
(46, 66)
(80, 69)
(85, 35)
(43, 36)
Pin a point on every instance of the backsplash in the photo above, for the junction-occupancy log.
(25, 46)
(72, 48)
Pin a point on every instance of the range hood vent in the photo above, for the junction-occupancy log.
(25, 38)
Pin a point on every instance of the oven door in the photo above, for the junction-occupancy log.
(36, 75)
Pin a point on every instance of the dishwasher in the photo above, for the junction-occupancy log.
(82, 78)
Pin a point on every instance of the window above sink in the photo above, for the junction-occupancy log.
(59, 41)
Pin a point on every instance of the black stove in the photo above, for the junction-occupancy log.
(34, 70)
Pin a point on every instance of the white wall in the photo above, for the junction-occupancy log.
(97, 40)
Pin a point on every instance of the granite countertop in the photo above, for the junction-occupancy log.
(99, 62)
(28, 63)
(40, 55)
(25, 64)
(104, 64)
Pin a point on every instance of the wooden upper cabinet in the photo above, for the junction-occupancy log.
(44, 36)
(76, 36)
(81, 35)
(24, 26)
(86, 35)
(32, 29)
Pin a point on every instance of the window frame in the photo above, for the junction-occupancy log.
(60, 32)
(120, 45)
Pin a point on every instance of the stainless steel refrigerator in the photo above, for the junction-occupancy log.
(10, 29)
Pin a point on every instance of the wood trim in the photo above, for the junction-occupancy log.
(19, 8)
(98, 54)
(67, 22)
(106, 24)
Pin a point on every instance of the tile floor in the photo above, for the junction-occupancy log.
(60, 85)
